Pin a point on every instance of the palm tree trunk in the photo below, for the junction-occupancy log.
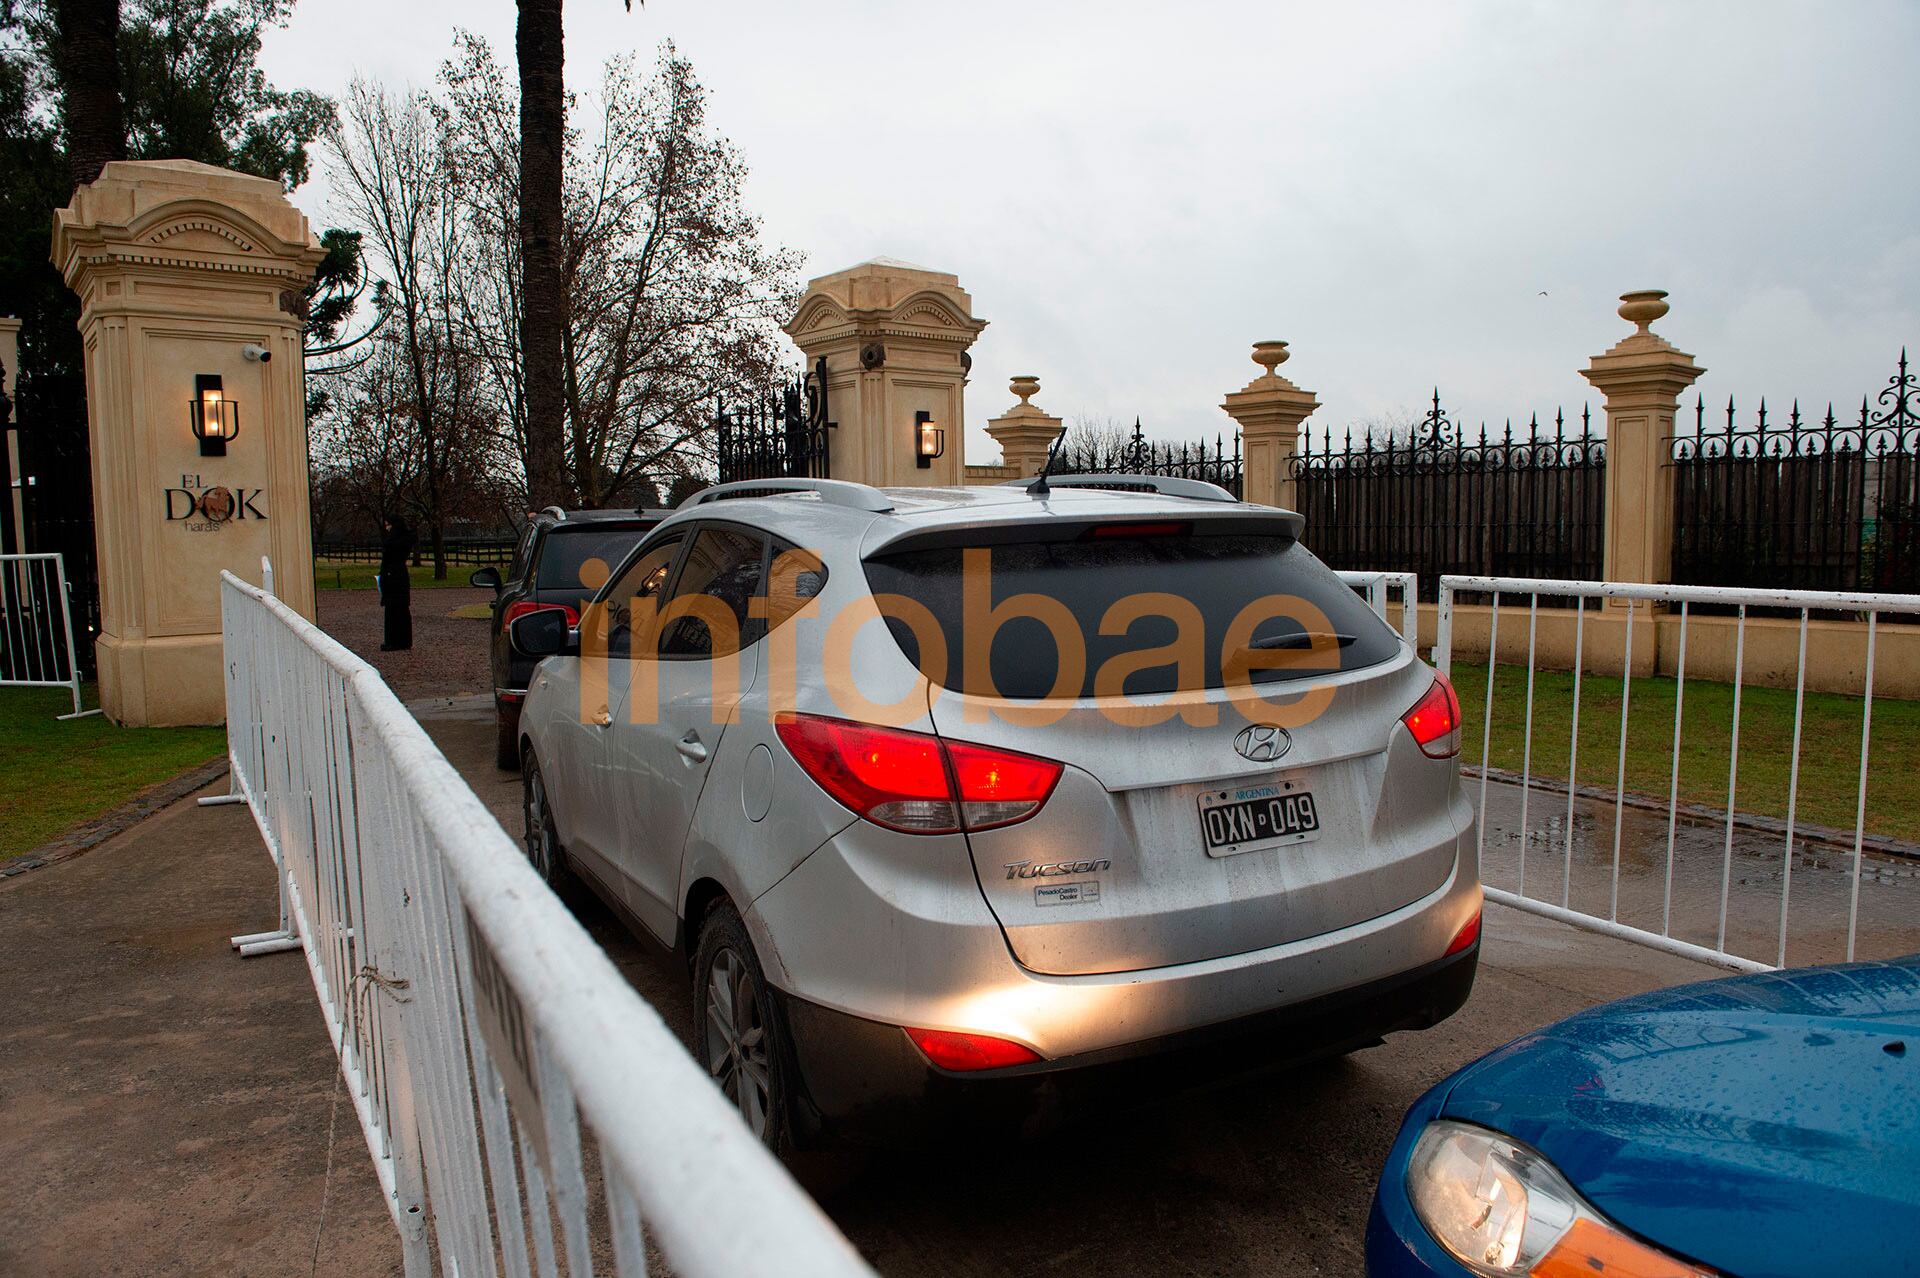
(543, 124)
(89, 68)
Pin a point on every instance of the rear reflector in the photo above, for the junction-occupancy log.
(1464, 939)
(1434, 720)
(913, 781)
(950, 1049)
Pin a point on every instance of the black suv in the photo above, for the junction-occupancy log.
(562, 558)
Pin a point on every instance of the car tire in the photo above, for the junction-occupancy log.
(506, 738)
(543, 848)
(741, 1037)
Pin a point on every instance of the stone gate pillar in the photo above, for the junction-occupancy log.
(1026, 431)
(895, 338)
(190, 282)
(1269, 410)
(1642, 377)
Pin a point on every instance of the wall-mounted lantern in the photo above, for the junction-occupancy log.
(929, 440)
(214, 417)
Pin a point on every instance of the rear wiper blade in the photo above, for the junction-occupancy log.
(1306, 639)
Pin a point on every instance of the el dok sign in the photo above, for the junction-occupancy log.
(209, 508)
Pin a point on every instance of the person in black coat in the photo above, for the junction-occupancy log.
(395, 585)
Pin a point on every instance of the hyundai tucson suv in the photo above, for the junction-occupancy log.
(957, 799)
(562, 558)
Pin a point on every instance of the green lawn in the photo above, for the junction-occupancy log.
(338, 574)
(1829, 744)
(60, 774)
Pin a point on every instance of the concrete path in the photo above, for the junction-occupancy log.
(169, 1108)
(165, 1106)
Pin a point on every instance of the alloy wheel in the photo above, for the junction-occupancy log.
(737, 1049)
(539, 827)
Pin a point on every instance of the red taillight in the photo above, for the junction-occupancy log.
(914, 782)
(950, 1049)
(1434, 720)
(1168, 529)
(1466, 937)
(521, 607)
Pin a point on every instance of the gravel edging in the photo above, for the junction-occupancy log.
(1823, 836)
(91, 834)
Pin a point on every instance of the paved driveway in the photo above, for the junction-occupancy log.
(1270, 1176)
(166, 1107)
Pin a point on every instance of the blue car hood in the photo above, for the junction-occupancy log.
(1763, 1125)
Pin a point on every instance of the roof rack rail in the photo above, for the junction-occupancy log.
(838, 492)
(555, 511)
(1164, 485)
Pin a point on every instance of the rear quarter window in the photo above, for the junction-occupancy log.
(1182, 595)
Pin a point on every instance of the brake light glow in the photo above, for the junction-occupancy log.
(1465, 937)
(1434, 720)
(950, 1049)
(913, 781)
(521, 607)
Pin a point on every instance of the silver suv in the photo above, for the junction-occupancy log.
(959, 801)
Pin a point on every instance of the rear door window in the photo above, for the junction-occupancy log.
(716, 585)
(639, 590)
(1180, 594)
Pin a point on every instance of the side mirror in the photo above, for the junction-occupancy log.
(488, 577)
(543, 634)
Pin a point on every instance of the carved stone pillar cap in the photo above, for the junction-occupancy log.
(1643, 306)
(1270, 355)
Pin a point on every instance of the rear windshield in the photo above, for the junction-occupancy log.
(1287, 615)
(568, 549)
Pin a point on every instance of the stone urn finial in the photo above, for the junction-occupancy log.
(1644, 307)
(1270, 355)
(1026, 386)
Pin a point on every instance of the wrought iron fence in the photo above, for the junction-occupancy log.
(1803, 505)
(1531, 505)
(1142, 456)
(782, 435)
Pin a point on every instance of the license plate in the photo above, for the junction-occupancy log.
(1249, 818)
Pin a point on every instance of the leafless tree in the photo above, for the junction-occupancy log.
(1093, 440)
(673, 299)
(391, 172)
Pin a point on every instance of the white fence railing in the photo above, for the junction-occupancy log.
(36, 627)
(1691, 880)
(1375, 587)
(499, 1062)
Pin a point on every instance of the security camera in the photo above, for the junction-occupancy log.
(258, 354)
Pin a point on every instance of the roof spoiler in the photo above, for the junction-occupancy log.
(1164, 485)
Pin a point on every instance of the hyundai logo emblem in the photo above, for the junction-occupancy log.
(1263, 742)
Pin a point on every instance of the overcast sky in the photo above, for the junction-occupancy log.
(1134, 193)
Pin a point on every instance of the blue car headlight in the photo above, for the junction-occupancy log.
(1501, 1209)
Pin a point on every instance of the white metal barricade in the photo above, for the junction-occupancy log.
(490, 1046)
(1637, 603)
(36, 627)
(1375, 587)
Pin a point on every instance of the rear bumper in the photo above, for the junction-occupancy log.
(864, 1081)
